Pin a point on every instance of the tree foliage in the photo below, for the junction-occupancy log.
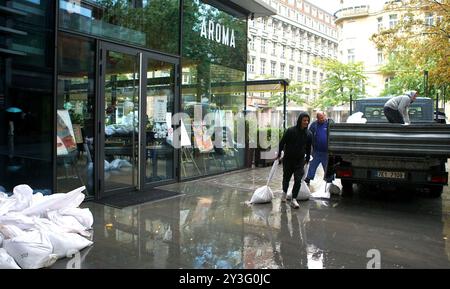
(419, 42)
(341, 82)
(294, 94)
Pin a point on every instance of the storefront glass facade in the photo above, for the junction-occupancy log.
(213, 88)
(26, 93)
(151, 24)
(97, 110)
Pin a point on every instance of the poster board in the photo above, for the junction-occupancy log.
(65, 135)
(77, 133)
(202, 139)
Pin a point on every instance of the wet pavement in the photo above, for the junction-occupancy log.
(209, 226)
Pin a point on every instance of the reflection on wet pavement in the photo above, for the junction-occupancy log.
(211, 227)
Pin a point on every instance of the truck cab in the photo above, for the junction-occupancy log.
(420, 111)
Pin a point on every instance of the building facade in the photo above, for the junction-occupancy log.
(89, 91)
(285, 46)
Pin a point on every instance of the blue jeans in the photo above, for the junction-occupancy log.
(319, 158)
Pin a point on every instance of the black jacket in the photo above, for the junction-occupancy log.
(296, 142)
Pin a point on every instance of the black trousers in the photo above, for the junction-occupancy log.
(292, 167)
(393, 116)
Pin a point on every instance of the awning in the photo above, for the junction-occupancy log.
(256, 7)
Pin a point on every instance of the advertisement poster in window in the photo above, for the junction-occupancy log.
(202, 139)
(64, 134)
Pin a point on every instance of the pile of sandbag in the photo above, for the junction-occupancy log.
(36, 230)
(357, 117)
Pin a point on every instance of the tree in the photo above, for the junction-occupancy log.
(419, 42)
(342, 82)
(403, 74)
(294, 93)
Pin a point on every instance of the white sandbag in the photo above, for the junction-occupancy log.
(84, 216)
(71, 199)
(23, 195)
(262, 195)
(356, 118)
(68, 224)
(6, 261)
(17, 219)
(6, 204)
(303, 194)
(31, 250)
(36, 198)
(67, 244)
(10, 231)
(322, 193)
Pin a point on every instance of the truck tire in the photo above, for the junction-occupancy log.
(347, 188)
(435, 191)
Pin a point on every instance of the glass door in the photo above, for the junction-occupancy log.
(159, 164)
(119, 118)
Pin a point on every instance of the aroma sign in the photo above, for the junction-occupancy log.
(219, 33)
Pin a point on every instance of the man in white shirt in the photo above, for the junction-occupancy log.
(396, 108)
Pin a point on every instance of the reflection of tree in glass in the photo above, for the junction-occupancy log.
(158, 19)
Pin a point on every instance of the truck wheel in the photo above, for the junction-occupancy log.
(435, 191)
(347, 188)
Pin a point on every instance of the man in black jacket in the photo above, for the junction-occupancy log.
(296, 144)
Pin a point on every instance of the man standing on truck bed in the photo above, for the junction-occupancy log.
(395, 108)
(296, 144)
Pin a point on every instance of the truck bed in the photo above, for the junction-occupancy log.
(386, 139)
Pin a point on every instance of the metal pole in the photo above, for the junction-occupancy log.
(284, 105)
(425, 82)
(351, 100)
(437, 106)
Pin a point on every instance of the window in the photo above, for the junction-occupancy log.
(392, 20)
(263, 66)
(380, 57)
(300, 56)
(283, 50)
(351, 55)
(292, 54)
(252, 43)
(291, 72)
(307, 75)
(264, 23)
(274, 49)
(429, 19)
(122, 21)
(307, 58)
(299, 74)
(273, 65)
(282, 68)
(263, 45)
(252, 64)
(314, 78)
(380, 23)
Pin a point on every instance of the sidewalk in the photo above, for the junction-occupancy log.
(209, 226)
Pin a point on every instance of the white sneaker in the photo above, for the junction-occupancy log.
(294, 204)
(283, 197)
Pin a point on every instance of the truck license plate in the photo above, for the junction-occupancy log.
(390, 175)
